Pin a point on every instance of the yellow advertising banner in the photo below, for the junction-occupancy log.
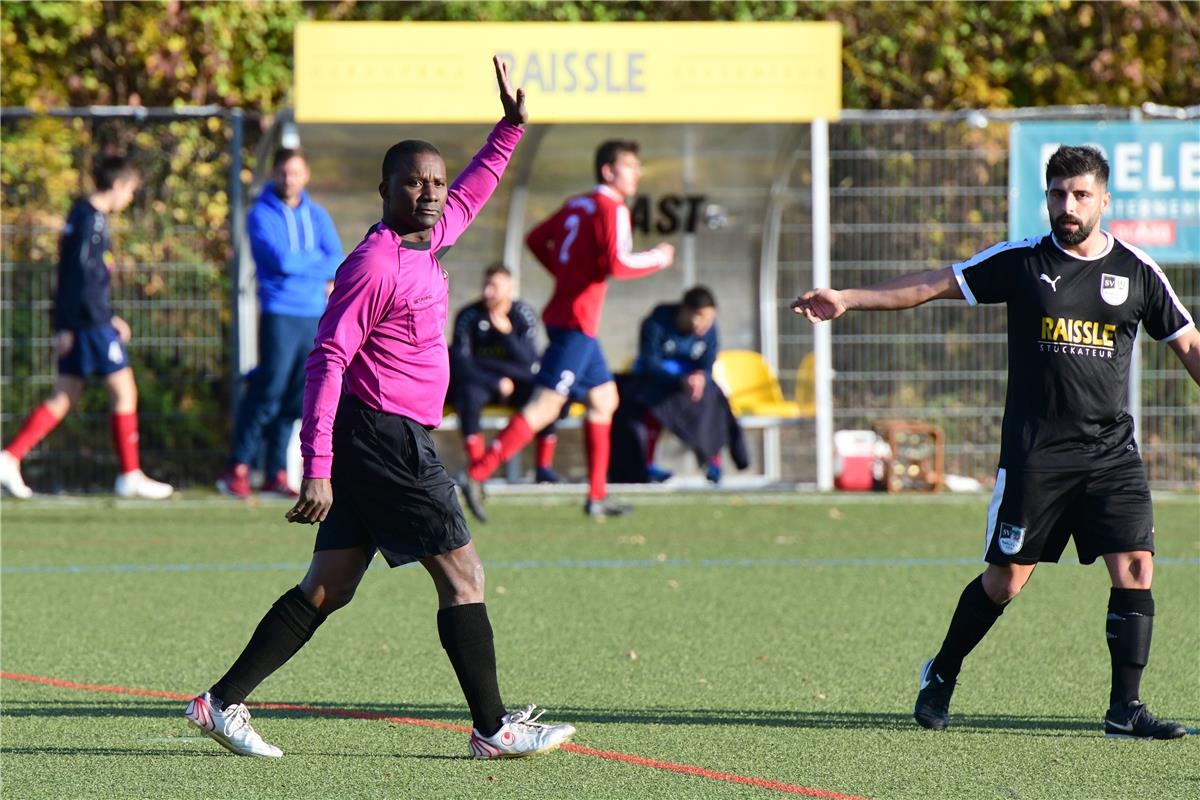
(571, 71)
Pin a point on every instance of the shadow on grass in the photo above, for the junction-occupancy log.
(107, 751)
(771, 718)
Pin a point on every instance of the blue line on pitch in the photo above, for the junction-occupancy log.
(605, 563)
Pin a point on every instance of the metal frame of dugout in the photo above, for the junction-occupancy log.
(756, 323)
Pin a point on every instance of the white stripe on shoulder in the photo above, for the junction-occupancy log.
(1187, 327)
(982, 256)
(1145, 258)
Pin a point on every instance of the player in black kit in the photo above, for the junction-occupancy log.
(1069, 463)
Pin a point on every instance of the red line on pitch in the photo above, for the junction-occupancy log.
(578, 749)
(711, 774)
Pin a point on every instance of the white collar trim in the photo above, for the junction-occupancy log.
(1108, 246)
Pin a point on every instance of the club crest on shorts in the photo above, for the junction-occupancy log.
(1011, 539)
(1114, 289)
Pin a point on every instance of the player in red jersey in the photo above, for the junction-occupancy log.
(582, 244)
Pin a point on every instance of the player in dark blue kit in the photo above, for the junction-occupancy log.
(493, 360)
(1069, 462)
(676, 352)
(89, 338)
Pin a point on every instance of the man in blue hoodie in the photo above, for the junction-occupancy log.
(296, 252)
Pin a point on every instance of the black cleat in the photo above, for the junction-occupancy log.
(1135, 721)
(473, 494)
(603, 509)
(548, 475)
(933, 699)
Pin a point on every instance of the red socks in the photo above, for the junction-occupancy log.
(475, 447)
(596, 437)
(510, 441)
(545, 451)
(125, 441)
(39, 423)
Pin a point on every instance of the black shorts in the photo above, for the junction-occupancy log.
(390, 491)
(1032, 514)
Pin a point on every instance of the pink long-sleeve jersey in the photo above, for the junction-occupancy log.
(381, 336)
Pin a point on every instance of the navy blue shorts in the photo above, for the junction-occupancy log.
(97, 351)
(573, 364)
(1033, 514)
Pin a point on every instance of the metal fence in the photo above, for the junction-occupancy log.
(919, 191)
(169, 282)
(908, 191)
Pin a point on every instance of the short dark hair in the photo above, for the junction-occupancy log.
(1071, 162)
(286, 154)
(699, 297)
(606, 153)
(110, 169)
(496, 269)
(401, 151)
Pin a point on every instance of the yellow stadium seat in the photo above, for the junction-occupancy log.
(751, 387)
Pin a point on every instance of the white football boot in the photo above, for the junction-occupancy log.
(229, 728)
(138, 484)
(520, 735)
(10, 477)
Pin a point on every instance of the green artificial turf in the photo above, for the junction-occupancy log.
(772, 638)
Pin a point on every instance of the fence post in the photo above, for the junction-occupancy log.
(822, 334)
(237, 230)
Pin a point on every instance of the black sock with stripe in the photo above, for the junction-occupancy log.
(1128, 629)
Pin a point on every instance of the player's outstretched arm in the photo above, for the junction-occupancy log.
(513, 102)
(1187, 347)
(906, 291)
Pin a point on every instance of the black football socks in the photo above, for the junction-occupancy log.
(284, 629)
(973, 618)
(1130, 623)
(466, 636)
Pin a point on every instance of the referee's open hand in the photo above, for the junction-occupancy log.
(316, 498)
(514, 102)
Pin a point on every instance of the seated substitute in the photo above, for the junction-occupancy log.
(672, 385)
(493, 359)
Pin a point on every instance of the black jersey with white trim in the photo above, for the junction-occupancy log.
(1071, 328)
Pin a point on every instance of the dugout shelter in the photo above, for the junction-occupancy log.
(718, 109)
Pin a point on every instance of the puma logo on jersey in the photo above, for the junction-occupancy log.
(1053, 283)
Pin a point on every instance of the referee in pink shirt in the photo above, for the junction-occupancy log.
(376, 381)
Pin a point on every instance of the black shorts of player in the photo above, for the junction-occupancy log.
(390, 491)
(1033, 514)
